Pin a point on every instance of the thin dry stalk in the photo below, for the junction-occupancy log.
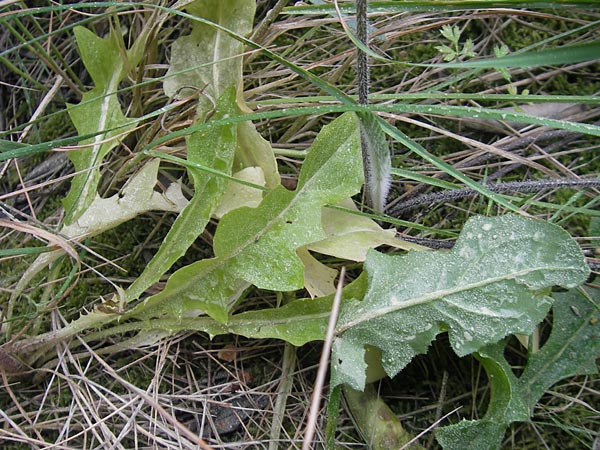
(323, 366)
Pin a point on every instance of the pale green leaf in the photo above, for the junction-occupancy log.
(350, 236)
(237, 195)
(99, 111)
(318, 278)
(255, 151)
(492, 283)
(137, 197)
(258, 245)
(209, 58)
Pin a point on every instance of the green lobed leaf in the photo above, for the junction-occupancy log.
(491, 284)
(505, 401)
(270, 234)
(258, 245)
(98, 111)
(572, 349)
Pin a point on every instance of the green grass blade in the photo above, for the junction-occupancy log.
(24, 251)
(568, 54)
(438, 5)
(431, 181)
(442, 165)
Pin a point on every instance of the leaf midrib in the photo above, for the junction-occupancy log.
(222, 260)
(440, 294)
(293, 203)
(99, 138)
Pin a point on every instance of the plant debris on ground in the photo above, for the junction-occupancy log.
(183, 184)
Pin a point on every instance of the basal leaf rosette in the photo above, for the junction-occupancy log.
(494, 282)
(259, 245)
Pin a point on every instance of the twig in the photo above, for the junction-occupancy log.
(283, 392)
(323, 364)
(264, 25)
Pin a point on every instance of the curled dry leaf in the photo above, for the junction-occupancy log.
(52, 238)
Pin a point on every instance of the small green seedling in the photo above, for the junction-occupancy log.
(455, 51)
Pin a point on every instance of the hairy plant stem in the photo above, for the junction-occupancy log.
(511, 186)
(375, 151)
(363, 80)
(362, 61)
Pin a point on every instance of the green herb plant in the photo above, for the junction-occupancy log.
(498, 279)
(455, 51)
